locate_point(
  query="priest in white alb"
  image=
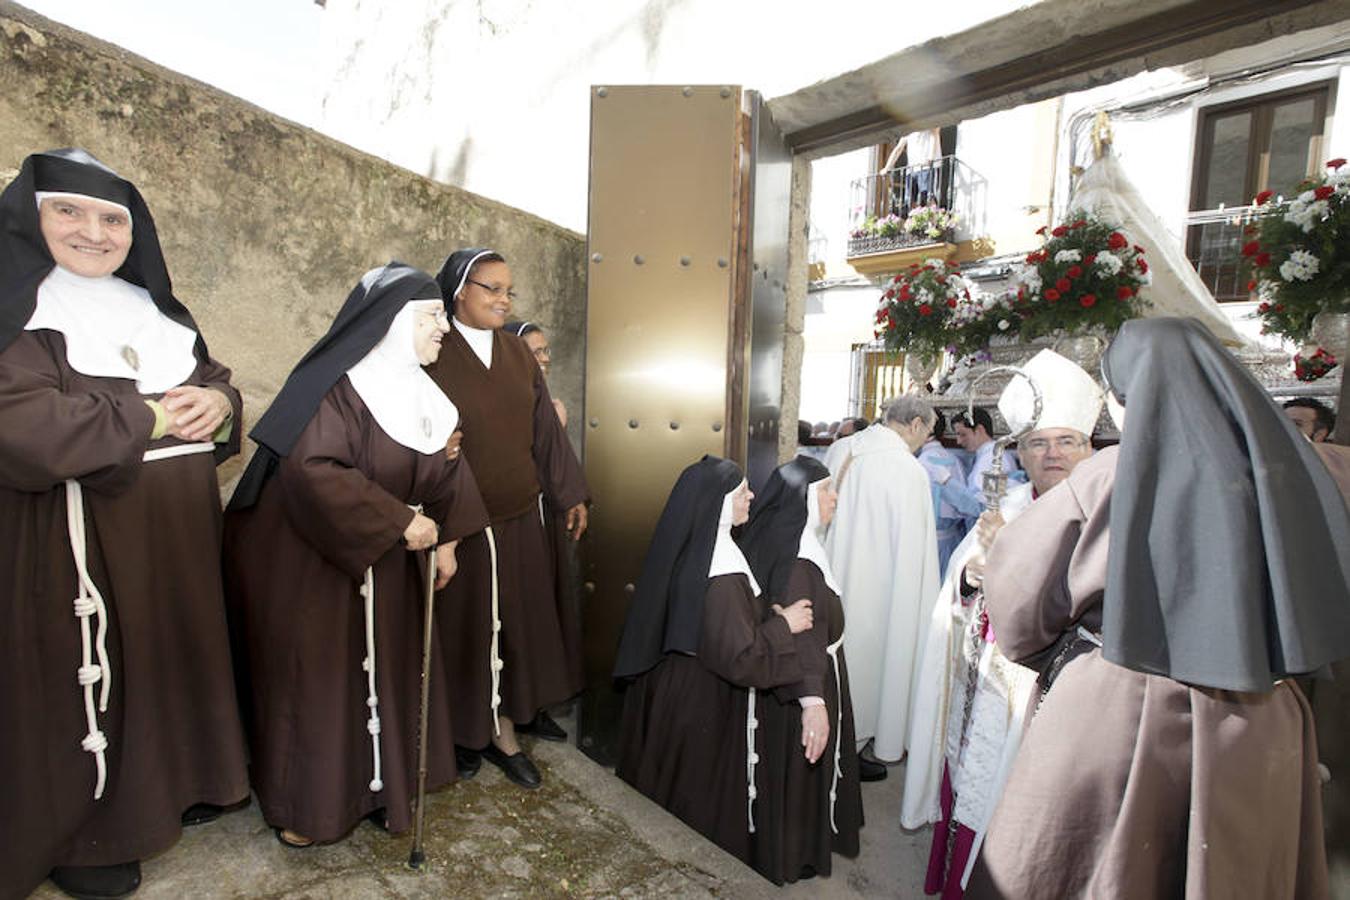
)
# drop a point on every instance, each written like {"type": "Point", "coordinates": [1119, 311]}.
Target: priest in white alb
{"type": "Point", "coordinates": [883, 551]}
{"type": "Point", "coordinates": [969, 701]}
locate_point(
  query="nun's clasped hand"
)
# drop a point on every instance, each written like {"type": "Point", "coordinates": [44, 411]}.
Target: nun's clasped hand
{"type": "Point", "coordinates": [798, 615]}
{"type": "Point", "coordinates": [420, 533]}
{"type": "Point", "coordinates": [195, 413]}
{"type": "Point", "coordinates": [576, 521]}
{"type": "Point", "coordinates": [452, 445]}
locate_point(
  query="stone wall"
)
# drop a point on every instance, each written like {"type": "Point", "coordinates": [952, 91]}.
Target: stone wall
{"type": "Point", "coordinates": [267, 225]}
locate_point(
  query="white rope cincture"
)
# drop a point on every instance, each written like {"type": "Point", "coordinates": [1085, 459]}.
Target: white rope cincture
{"type": "Point", "coordinates": [89, 602]}
{"type": "Point", "coordinates": [177, 450]}
{"type": "Point", "coordinates": [372, 700]}
{"type": "Point", "coordinates": [494, 654]}
{"type": "Point", "coordinates": [833, 651]}
{"type": "Point", "coordinates": [751, 758]}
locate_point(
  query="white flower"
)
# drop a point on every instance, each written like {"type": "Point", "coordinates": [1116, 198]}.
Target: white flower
{"type": "Point", "coordinates": [923, 295]}
{"type": "Point", "coordinates": [1108, 262]}
{"type": "Point", "coordinates": [1301, 266]}
{"type": "Point", "coordinates": [1029, 276]}
{"type": "Point", "coordinates": [1064, 256]}
{"type": "Point", "coordinates": [939, 264]}
{"type": "Point", "coordinates": [1003, 324]}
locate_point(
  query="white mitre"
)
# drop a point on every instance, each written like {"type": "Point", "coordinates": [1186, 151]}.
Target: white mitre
{"type": "Point", "coordinates": [1070, 397]}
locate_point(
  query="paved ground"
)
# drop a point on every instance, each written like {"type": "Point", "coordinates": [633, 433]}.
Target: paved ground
{"type": "Point", "coordinates": [585, 833]}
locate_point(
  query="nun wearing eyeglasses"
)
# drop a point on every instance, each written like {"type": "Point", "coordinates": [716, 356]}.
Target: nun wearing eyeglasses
{"type": "Point", "coordinates": [810, 799]}
{"type": "Point", "coordinates": [506, 648]}
{"type": "Point", "coordinates": [698, 645]}
{"type": "Point", "coordinates": [118, 719]}
{"type": "Point", "coordinates": [325, 546]}
{"type": "Point", "coordinates": [1166, 596]}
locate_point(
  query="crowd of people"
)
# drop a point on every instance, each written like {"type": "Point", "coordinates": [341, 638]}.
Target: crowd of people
{"type": "Point", "coordinates": [1078, 668]}
{"type": "Point", "coordinates": [152, 680]}
{"type": "Point", "coordinates": [1077, 671]}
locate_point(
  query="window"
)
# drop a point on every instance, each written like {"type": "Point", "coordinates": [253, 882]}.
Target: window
{"type": "Point", "coordinates": [1270, 142]}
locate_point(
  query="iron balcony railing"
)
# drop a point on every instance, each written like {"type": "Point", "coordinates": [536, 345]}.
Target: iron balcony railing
{"type": "Point", "coordinates": [881, 205]}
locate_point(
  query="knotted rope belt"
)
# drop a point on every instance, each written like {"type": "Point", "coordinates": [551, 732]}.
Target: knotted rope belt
{"type": "Point", "coordinates": [89, 603]}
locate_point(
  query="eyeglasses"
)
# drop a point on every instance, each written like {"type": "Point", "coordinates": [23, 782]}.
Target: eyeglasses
{"type": "Point", "coordinates": [1063, 444]}
{"type": "Point", "coordinates": [542, 352]}
{"type": "Point", "coordinates": [495, 290]}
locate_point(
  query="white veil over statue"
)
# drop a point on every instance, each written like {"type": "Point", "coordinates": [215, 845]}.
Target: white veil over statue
{"type": "Point", "coordinates": [1176, 289]}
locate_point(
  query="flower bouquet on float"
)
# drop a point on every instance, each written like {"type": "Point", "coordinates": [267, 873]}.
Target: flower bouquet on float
{"type": "Point", "coordinates": [1080, 286]}
{"type": "Point", "coordinates": [915, 313]}
{"type": "Point", "coordinates": [1299, 258]}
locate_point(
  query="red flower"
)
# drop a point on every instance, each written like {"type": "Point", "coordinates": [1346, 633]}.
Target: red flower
{"type": "Point", "coordinates": [1143, 266]}
{"type": "Point", "coordinates": [1264, 197]}
{"type": "Point", "coordinates": [1088, 300]}
{"type": "Point", "coordinates": [1079, 224]}
{"type": "Point", "coordinates": [1251, 285]}
{"type": "Point", "coordinates": [1089, 259]}
{"type": "Point", "coordinates": [1052, 295]}
{"type": "Point", "coordinates": [1324, 192]}
{"type": "Point", "coordinates": [1335, 163]}
{"type": "Point", "coordinates": [925, 309]}
{"type": "Point", "coordinates": [1251, 248]}
{"type": "Point", "coordinates": [1279, 307]}
{"type": "Point", "coordinates": [1124, 292]}
{"type": "Point", "coordinates": [1138, 249]}
{"type": "Point", "coordinates": [889, 295]}
{"type": "Point", "coordinates": [1117, 241]}
{"type": "Point", "coordinates": [1063, 284]}
{"type": "Point", "coordinates": [952, 303]}
{"type": "Point", "coordinates": [1021, 295]}
{"type": "Point", "coordinates": [1262, 260]}
{"type": "Point", "coordinates": [1074, 271]}
{"type": "Point", "coordinates": [1264, 307]}
{"type": "Point", "coordinates": [1042, 230]}
{"type": "Point", "coordinates": [1059, 231]}
{"type": "Point", "coordinates": [1250, 231]}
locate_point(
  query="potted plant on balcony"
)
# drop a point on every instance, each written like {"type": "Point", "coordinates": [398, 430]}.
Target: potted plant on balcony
{"type": "Point", "coordinates": [1080, 286]}
{"type": "Point", "coordinates": [915, 312]}
{"type": "Point", "coordinates": [1300, 263]}
{"type": "Point", "coordinates": [932, 222]}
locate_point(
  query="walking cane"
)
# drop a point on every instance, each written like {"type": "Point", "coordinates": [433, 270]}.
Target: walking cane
{"type": "Point", "coordinates": [418, 856]}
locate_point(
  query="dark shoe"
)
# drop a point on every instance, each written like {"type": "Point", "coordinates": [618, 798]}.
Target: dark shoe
{"type": "Point", "coordinates": [871, 771]}
{"type": "Point", "coordinates": [290, 839]}
{"type": "Point", "coordinates": [516, 767]}
{"type": "Point", "coordinates": [467, 761]}
{"type": "Point", "coordinates": [201, 813]}
{"type": "Point", "coordinates": [544, 727]}
{"type": "Point", "coordinates": [98, 882]}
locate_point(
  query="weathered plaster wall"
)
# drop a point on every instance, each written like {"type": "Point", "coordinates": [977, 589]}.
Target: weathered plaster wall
{"type": "Point", "coordinates": [267, 225]}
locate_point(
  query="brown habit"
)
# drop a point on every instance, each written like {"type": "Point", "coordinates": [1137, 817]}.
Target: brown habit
{"type": "Point", "coordinates": [682, 739]}
{"type": "Point", "coordinates": [294, 562]}
{"type": "Point", "coordinates": [1128, 784]}
{"type": "Point", "coordinates": [518, 448]}
{"type": "Point", "coordinates": [793, 836]}
{"type": "Point", "coordinates": [153, 536]}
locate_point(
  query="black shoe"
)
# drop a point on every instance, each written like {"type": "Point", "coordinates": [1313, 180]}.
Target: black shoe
{"type": "Point", "coordinates": [98, 882]}
{"type": "Point", "coordinates": [516, 767]}
{"type": "Point", "coordinates": [378, 818]}
{"type": "Point", "coordinates": [201, 813]}
{"type": "Point", "coordinates": [467, 761]}
{"type": "Point", "coordinates": [871, 771]}
{"type": "Point", "coordinates": [544, 727]}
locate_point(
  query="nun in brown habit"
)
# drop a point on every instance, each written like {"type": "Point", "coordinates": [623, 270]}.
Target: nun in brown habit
{"type": "Point", "coordinates": [118, 720]}
{"type": "Point", "coordinates": [810, 799]}
{"type": "Point", "coordinates": [324, 569]}
{"type": "Point", "coordinates": [1167, 590]}
{"type": "Point", "coordinates": [698, 647]}
{"type": "Point", "coordinates": [505, 649]}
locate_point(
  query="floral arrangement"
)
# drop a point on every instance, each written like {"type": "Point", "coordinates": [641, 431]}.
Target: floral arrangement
{"type": "Point", "coordinates": [925, 221]}
{"type": "Point", "coordinates": [931, 221]}
{"type": "Point", "coordinates": [917, 308]}
{"type": "Point", "coordinates": [1313, 367]}
{"type": "Point", "coordinates": [1299, 253]}
{"type": "Point", "coordinates": [890, 225]}
{"type": "Point", "coordinates": [1086, 275]}
{"type": "Point", "coordinates": [976, 321]}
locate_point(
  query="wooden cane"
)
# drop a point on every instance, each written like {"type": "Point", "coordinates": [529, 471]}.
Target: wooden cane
{"type": "Point", "coordinates": [417, 858]}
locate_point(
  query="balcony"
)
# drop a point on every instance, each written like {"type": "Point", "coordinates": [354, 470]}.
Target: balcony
{"type": "Point", "coordinates": [906, 215]}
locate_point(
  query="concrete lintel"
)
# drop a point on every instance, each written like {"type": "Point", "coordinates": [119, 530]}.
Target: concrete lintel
{"type": "Point", "coordinates": [1040, 51]}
